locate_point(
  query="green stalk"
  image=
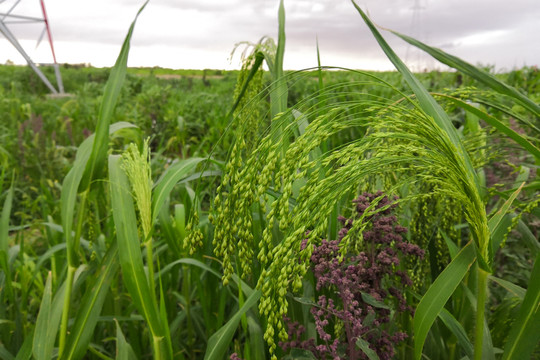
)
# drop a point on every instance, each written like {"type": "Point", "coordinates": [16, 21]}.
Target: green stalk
{"type": "Point", "coordinates": [72, 266]}
{"type": "Point", "coordinates": [480, 312]}
{"type": "Point", "coordinates": [186, 289]}
{"type": "Point", "coordinates": [150, 264]}
{"type": "Point", "coordinates": [65, 311]}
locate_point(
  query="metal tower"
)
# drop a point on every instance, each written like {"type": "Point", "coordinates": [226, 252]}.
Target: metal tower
{"type": "Point", "coordinates": [415, 58]}
{"type": "Point", "coordinates": [7, 18]}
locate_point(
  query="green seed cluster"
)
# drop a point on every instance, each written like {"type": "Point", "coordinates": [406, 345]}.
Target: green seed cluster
{"type": "Point", "coordinates": [194, 236]}
{"type": "Point", "coordinates": [401, 146]}
{"type": "Point", "coordinates": [137, 168]}
{"type": "Point", "coordinates": [433, 216]}
{"type": "Point", "coordinates": [231, 211]}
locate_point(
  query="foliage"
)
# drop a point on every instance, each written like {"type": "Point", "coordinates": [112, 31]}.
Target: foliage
{"type": "Point", "coordinates": [109, 228]}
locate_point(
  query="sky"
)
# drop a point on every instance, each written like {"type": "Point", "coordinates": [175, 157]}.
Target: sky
{"type": "Point", "coordinates": [199, 34]}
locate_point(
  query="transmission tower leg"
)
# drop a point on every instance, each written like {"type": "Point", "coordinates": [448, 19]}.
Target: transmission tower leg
{"type": "Point", "coordinates": [59, 78]}
{"type": "Point", "coordinates": [11, 38]}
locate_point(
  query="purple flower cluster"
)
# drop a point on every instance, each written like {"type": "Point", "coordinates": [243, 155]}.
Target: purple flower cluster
{"type": "Point", "coordinates": [359, 291]}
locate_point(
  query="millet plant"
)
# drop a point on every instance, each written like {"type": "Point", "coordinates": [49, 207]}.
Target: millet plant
{"type": "Point", "coordinates": [136, 243]}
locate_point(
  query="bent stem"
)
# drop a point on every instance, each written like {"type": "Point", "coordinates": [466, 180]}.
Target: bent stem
{"type": "Point", "coordinates": [480, 312]}
{"type": "Point", "coordinates": [72, 266]}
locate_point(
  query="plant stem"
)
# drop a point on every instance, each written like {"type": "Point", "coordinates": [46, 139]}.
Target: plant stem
{"type": "Point", "coordinates": [72, 267]}
{"type": "Point", "coordinates": [150, 264]}
{"type": "Point", "coordinates": [480, 310]}
{"type": "Point", "coordinates": [65, 311]}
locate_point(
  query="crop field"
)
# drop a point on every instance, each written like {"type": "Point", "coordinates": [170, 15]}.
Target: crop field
{"type": "Point", "coordinates": [268, 214]}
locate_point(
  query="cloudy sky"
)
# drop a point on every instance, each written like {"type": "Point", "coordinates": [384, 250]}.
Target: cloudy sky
{"type": "Point", "coordinates": [198, 34]}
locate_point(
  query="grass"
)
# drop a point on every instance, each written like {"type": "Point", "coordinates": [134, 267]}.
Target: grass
{"type": "Point", "coordinates": [164, 217]}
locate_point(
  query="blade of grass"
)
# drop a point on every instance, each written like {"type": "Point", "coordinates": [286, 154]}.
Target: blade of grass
{"type": "Point", "coordinates": [68, 198]}
{"type": "Point", "coordinates": [496, 220]}
{"type": "Point", "coordinates": [5, 354]}
{"type": "Point", "coordinates": [528, 237]}
{"type": "Point", "coordinates": [426, 101]}
{"type": "Point", "coordinates": [221, 340]}
{"type": "Point", "coordinates": [131, 260]}
{"type": "Point", "coordinates": [169, 179]}
{"type": "Point", "coordinates": [124, 351]}
{"type": "Point", "coordinates": [468, 176]}
{"type": "Point", "coordinates": [110, 98]}
{"type": "Point", "coordinates": [533, 150]}
{"type": "Point", "coordinates": [438, 294]}
{"type": "Point", "coordinates": [452, 247]}
{"type": "Point", "coordinates": [473, 72]}
{"type": "Point", "coordinates": [4, 221]}
{"type": "Point", "coordinates": [89, 165]}
{"type": "Point", "coordinates": [25, 352]}
{"type": "Point", "coordinates": [44, 335]}
{"type": "Point", "coordinates": [525, 332]}
{"type": "Point", "coordinates": [259, 58]}
{"type": "Point", "coordinates": [459, 332]}
{"type": "Point", "coordinates": [255, 337]}
{"type": "Point", "coordinates": [279, 90]}
{"type": "Point", "coordinates": [90, 309]}
{"type": "Point", "coordinates": [512, 288]}
{"type": "Point", "coordinates": [505, 110]}
{"type": "Point", "coordinates": [4, 242]}
{"type": "Point", "coordinates": [71, 185]}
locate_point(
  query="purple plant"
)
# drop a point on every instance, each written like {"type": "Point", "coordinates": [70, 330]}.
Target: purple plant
{"type": "Point", "coordinates": [358, 292]}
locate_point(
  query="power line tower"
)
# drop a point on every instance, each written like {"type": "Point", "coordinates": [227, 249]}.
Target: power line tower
{"type": "Point", "coordinates": [9, 17]}
{"type": "Point", "coordinates": [413, 56]}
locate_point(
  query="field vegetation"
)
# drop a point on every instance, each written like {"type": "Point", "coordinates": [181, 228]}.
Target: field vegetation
{"type": "Point", "coordinates": [327, 213]}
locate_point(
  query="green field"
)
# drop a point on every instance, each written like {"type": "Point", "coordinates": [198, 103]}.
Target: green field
{"type": "Point", "coordinates": [262, 214]}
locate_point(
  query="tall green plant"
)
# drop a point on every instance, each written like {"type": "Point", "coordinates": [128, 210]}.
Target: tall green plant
{"type": "Point", "coordinates": [89, 163]}
{"type": "Point", "coordinates": [481, 231]}
{"type": "Point", "coordinates": [412, 140]}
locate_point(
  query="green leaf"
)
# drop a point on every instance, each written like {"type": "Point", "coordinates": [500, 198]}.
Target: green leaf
{"type": "Point", "coordinates": [300, 354]}
{"type": "Point", "coordinates": [452, 247]}
{"type": "Point", "coordinates": [525, 333]}
{"type": "Point", "coordinates": [364, 346]}
{"type": "Point", "coordinates": [259, 57]}
{"type": "Point", "coordinates": [512, 288]}
{"type": "Point", "coordinates": [528, 237]}
{"type": "Point", "coordinates": [187, 261]}
{"type": "Point", "coordinates": [533, 150]}
{"type": "Point", "coordinates": [426, 101]}
{"type": "Point", "coordinates": [459, 332]}
{"type": "Point", "coordinates": [123, 349]}
{"type": "Point", "coordinates": [255, 336]}
{"type": "Point", "coordinates": [90, 309]}
{"type": "Point", "coordinates": [111, 94]}
{"type": "Point", "coordinates": [4, 221]}
{"type": "Point", "coordinates": [25, 352]}
{"type": "Point", "coordinates": [474, 72]}
{"type": "Point", "coordinates": [438, 294]}
{"type": "Point", "coordinates": [45, 334]}
{"type": "Point", "coordinates": [279, 90]}
{"type": "Point", "coordinates": [169, 179]}
{"type": "Point", "coordinates": [5, 354]}
{"type": "Point", "coordinates": [130, 255]}
{"type": "Point", "coordinates": [219, 343]}
{"type": "Point", "coordinates": [495, 221]}
{"type": "Point", "coordinates": [368, 299]}
{"type": "Point", "coordinates": [4, 242]}
{"type": "Point", "coordinates": [463, 167]}
{"type": "Point", "coordinates": [70, 188]}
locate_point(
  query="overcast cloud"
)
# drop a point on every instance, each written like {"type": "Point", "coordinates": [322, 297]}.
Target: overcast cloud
{"type": "Point", "coordinates": [202, 33]}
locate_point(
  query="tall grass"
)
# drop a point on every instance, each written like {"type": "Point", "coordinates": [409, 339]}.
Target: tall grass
{"type": "Point", "coordinates": [157, 248]}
